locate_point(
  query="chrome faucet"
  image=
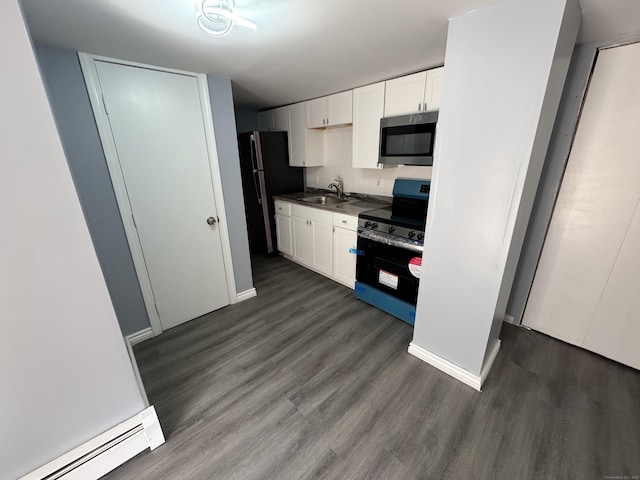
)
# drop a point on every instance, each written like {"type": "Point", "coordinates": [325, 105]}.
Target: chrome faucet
{"type": "Point", "coordinates": [339, 186]}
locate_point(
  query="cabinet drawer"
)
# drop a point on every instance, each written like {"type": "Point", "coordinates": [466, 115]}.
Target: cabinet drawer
{"type": "Point", "coordinates": [282, 208]}
{"type": "Point", "coordinates": [311, 213]}
{"type": "Point", "coordinates": [345, 221]}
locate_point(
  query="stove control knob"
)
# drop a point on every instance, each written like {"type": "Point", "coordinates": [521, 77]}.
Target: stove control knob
{"type": "Point", "coordinates": [412, 234]}
{"type": "Point", "coordinates": [392, 229]}
{"type": "Point", "coordinates": [367, 224]}
{"type": "Point", "coordinates": [420, 237]}
{"type": "Point", "coordinates": [374, 225]}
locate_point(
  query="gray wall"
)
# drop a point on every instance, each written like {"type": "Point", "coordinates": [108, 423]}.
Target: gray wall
{"type": "Point", "coordinates": [552, 174]}
{"type": "Point", "coordinates": [493, 135]}
{"type": "Point", "coordinates": [246, 120]}
{"type": "Point", "coordinates": [227, 145]}
{"type": "Point", "coordinates": [72, 111]}
{"type": "Point", "coordinates": [64, 370]}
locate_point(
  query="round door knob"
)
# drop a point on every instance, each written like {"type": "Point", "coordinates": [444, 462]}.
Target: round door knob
{"type": "Point", "coordinates": [211, 221]}
{"type": "Point", "coordinates": [392, 229]}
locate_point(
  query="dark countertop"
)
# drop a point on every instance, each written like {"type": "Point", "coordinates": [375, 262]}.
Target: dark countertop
{"type": "Point", "coordinates": [356, 204]}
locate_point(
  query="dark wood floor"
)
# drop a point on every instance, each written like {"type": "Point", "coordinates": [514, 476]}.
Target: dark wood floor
{"type": "Point", "coordinates": [304, 381]}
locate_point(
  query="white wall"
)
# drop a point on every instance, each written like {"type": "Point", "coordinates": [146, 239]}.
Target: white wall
{"type": "Point", "coordinates": [64, 370]}
{"type": "Point", "coordinates": [506, 65]}
{"type": "Point", "coordinates": [337, 153]}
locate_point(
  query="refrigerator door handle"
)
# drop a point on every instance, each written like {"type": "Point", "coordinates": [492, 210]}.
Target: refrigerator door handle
{"type": "Point", "coordinates": [255, 170]}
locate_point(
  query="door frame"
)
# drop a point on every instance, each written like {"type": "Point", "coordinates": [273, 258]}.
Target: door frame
{"type": "Point", "coordinates": [90, 73]}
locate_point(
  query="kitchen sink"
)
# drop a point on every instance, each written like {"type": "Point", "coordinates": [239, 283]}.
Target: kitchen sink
{"type": "Point", "coordinates": [325, 200]}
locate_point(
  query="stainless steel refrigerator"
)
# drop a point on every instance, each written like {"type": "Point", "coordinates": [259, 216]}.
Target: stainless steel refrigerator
{"type": "Point", "coordinates": [264, 165]}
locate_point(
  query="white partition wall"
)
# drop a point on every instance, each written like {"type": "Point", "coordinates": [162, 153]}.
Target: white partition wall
{"type": "Point", "coordinates": [506, 64]}
{"type": "Point", "coordinates": [64, 370]}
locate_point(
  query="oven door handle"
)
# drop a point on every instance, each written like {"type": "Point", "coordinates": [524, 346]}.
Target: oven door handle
{"type": "Point", "coordinates": [391, 240]}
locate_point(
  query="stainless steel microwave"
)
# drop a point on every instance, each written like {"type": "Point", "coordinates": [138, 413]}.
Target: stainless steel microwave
{"type": "Point", "coordinates": [408, 139]}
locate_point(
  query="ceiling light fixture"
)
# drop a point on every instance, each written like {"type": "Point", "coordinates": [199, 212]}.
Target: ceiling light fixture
{"type": "Point", "coordinates": [217, 18]}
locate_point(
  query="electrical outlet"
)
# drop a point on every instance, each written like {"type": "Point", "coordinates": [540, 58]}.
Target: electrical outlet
{"type": "Point", "coordinates": [378, 182]}
{"type": "Point", "coordinates": [317, 179]}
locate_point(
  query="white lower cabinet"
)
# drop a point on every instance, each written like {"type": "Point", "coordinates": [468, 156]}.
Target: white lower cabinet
{"type": "Point", "coordinates": [322, 247]}
{"type": "Point", "coordinates": [312, 238]}
{"type": "Point", "coordinates": [345, 241]}
{"type": "Point", "coordinates": [320, 240]}
{"type": "Point", "coordinates": [284, 234]}
{"type": "Point", "coordinates": [302, 240]}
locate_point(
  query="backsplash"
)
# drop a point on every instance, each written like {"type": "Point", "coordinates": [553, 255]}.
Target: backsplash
{"type": "Point", "coordinates": [337, 153]}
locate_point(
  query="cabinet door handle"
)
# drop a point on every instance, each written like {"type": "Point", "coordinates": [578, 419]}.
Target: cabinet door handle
{"type": "Point", "coordinates": [419, 106]}
{"type": "Point", "coordinates": [344, 221]}
{"type": "Point", "coordinates": [425, 107]}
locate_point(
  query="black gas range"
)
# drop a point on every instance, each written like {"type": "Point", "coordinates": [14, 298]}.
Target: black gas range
{"type": "Point", "coordinates": [390, 247]}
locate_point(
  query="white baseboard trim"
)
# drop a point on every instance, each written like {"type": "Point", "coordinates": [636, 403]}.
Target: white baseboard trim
{"type": "Point", "coordinates": [129, 342]}
{"type": "Point", "coordinates": [457, 372]}
{"type": "Point", "coordinates": [246, 295]}
{"type": "Point", "coordinates": [140, 336]}
{"type": "Point", "coordinates": [100, 455]}
{"type": "Point", "coordinates": [489, 359]}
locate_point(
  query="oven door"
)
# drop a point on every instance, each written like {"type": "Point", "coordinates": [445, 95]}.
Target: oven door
{"type": "Point", "coordinates": [389, 265]}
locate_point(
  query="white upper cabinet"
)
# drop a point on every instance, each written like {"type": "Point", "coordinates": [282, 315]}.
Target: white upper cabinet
{"type": "Point", "coordinates": [292, 119]}
{"type": "Point", "coordinates": [405, 94]}
{"type": "Point", "coordinates": [419, 92]}
{"type": "Point", "coordinates": [298, 136]}
{"type": "Point", "coordinates": [332, 110]}
{"type": "Point", "coordinates": [265, 121]}
{"type": "Point", "coordinates": [433, 89]}
{"type": "Point", "coordinates": [303, 148]}
{"type": "Point", "coordinates": [282, 123]}
{"type": "Point", "coordinates": [281, 119]}
{"type": "Point", "coordinates": [274, 120]}
{"type": "Point", "coordinates": [340, 108]}
{"type": "Point", "coordinates": [368, 108]}
{"type": "Point", "coordinates": [316, 112]}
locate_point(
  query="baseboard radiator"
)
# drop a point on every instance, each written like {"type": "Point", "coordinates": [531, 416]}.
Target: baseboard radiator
{"type": "Point", "coordinates": [105, 452]}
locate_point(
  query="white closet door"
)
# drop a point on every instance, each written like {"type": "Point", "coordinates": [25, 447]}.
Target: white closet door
{"type": "Point", "coordinates": [591, 251]}
{"type": "Point", "coordinates": [157, 126]}
{"type": "Point", "coordinates": [615, 329]}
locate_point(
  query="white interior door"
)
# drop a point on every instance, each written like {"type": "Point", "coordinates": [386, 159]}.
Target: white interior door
{"type": "Point", "coordinates": [156, 121]}
{"type": "Point", "coordinates": [585, 290]}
